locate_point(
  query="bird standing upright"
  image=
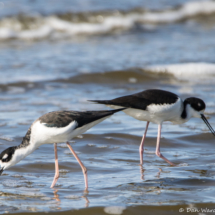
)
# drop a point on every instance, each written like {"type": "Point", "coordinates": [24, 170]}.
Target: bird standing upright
{"type": "Point", "coordinates": [157, 106]}
{"type": "Point", "coordinates": [54, 127]}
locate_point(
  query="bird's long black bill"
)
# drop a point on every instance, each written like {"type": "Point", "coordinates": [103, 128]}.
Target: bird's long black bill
{"type": "Point", "coordinates": [1, 170]}
{"type": "Point", "coordinates": [208, 124]}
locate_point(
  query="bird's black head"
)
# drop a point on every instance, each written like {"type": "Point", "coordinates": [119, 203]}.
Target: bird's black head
{"type": "Point", "coordinates": [197, 107]}
{"type": "Point", "coordinates": [196, 103]}
{"type": "Point", "coordinates": [6, 158]}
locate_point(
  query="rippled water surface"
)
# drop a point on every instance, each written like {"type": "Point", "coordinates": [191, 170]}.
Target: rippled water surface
{"type": "Point", "coordinates": [57, 55]}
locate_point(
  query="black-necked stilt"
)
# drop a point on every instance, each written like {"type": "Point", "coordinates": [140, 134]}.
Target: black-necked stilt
{"type": "Point", "coordinates": [158, 106]}
{"type": "Point", "coordinates": [54, 127]}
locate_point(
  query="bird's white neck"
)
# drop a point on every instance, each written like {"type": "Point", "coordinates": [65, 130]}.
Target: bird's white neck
{"type": "Point", "coordinates": [20, 153]}
{"type": "Point", "coordinates": [186, 112]}
{"type": "Point", "coordinates": [189, 112]}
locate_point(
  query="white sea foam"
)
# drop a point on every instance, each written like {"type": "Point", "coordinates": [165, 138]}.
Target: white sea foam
{"type": "Point", "coordinates": [186, 70]}
{"type": "Point", "coordinates": [63, 171]}
{"type": "Point", "coordinates": [189, 9]}
{"type": "Point", "coordinates": [12, 183]}
{"type": "Point", "coordinates": [53, 25]}
{"type": "Point", "coordinates": [10, 139]}
{"type": "Point", "coordinates": [114, 210]}
{"type": "Point", "coordinates": [72, 197]}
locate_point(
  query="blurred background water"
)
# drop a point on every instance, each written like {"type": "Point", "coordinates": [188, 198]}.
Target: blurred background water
{"type": "Point", "coordinates": [55, 55]}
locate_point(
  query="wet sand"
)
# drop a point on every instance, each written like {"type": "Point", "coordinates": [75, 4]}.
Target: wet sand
{"type": "Point", "coordinates": [160, 210]}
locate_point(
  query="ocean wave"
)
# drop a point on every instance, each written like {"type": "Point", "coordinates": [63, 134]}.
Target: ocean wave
{"type": "Point", "coordinates": [134, 76]}
{"type": "Point", "coordinates": [192, 72]}
{"type": "Point", "coordinates": [186, 71]}
{"type": "Point", "coordinates": [70, 24]}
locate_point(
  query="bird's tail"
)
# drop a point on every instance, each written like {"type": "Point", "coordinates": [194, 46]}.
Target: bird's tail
{"type": "Point", "coordinates": [117, 110]}
{"type": "Point", "coordinates": [105, 102]}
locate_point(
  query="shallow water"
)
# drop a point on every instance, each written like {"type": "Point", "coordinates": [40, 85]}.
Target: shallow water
{"type": "Point", "coordinates": [62, 70]}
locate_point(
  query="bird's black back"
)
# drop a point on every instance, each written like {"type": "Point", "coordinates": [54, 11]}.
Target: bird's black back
{"type": "Point", "coordinates": [63, 118]}
{"type": "Point", "coordinates": [142, 99]}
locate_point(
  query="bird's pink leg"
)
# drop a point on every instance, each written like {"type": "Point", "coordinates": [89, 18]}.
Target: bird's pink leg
{"type": "Point", "coordinates": [84, 169]}
{"type": "Point", "coordinates": [158, 147]}
{"type": "Point", "coordinates": [56, 167]}
{"type": "Point", "coordinates": [141, 149]}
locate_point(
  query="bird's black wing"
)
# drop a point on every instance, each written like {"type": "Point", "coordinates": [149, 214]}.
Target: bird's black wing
{"type": "Point", "coordinates": [61, 119]}
{"type": "Point", "coordinates": [142, 100]}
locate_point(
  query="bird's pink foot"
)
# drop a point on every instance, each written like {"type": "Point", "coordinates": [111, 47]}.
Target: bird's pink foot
{"type": "Point", "coordinates": [161, 156]}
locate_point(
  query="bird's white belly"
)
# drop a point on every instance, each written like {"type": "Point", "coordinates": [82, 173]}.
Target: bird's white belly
{"type": "Point", "coordinates": [41, 134]}
{"type": "Point", "coordinates": [84, 128]}
{"type": "Point", "coordinates": [136, 113]}
{"type": "Point", "coordinates": [156, 113]}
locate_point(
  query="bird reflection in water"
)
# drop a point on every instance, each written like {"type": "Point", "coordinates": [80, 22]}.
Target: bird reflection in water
{"type": "Point", "coordinates": [142, 170]}
{"type": "Point", "coordinates": [56, 197]}
{"type": "Point", "coordinates": [159, 173]}
{"type": "Point", "coordinates": [87, 201]}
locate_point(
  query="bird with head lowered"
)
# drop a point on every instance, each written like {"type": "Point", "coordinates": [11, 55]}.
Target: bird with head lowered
{"type": "Point", "coordinates": [54, 127]}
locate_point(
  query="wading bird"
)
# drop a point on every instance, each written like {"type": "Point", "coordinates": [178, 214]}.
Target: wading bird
{"type": "Point", "coordinates": [54, 127]}
{"type": "Point", "coordinates": [157, 106]}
